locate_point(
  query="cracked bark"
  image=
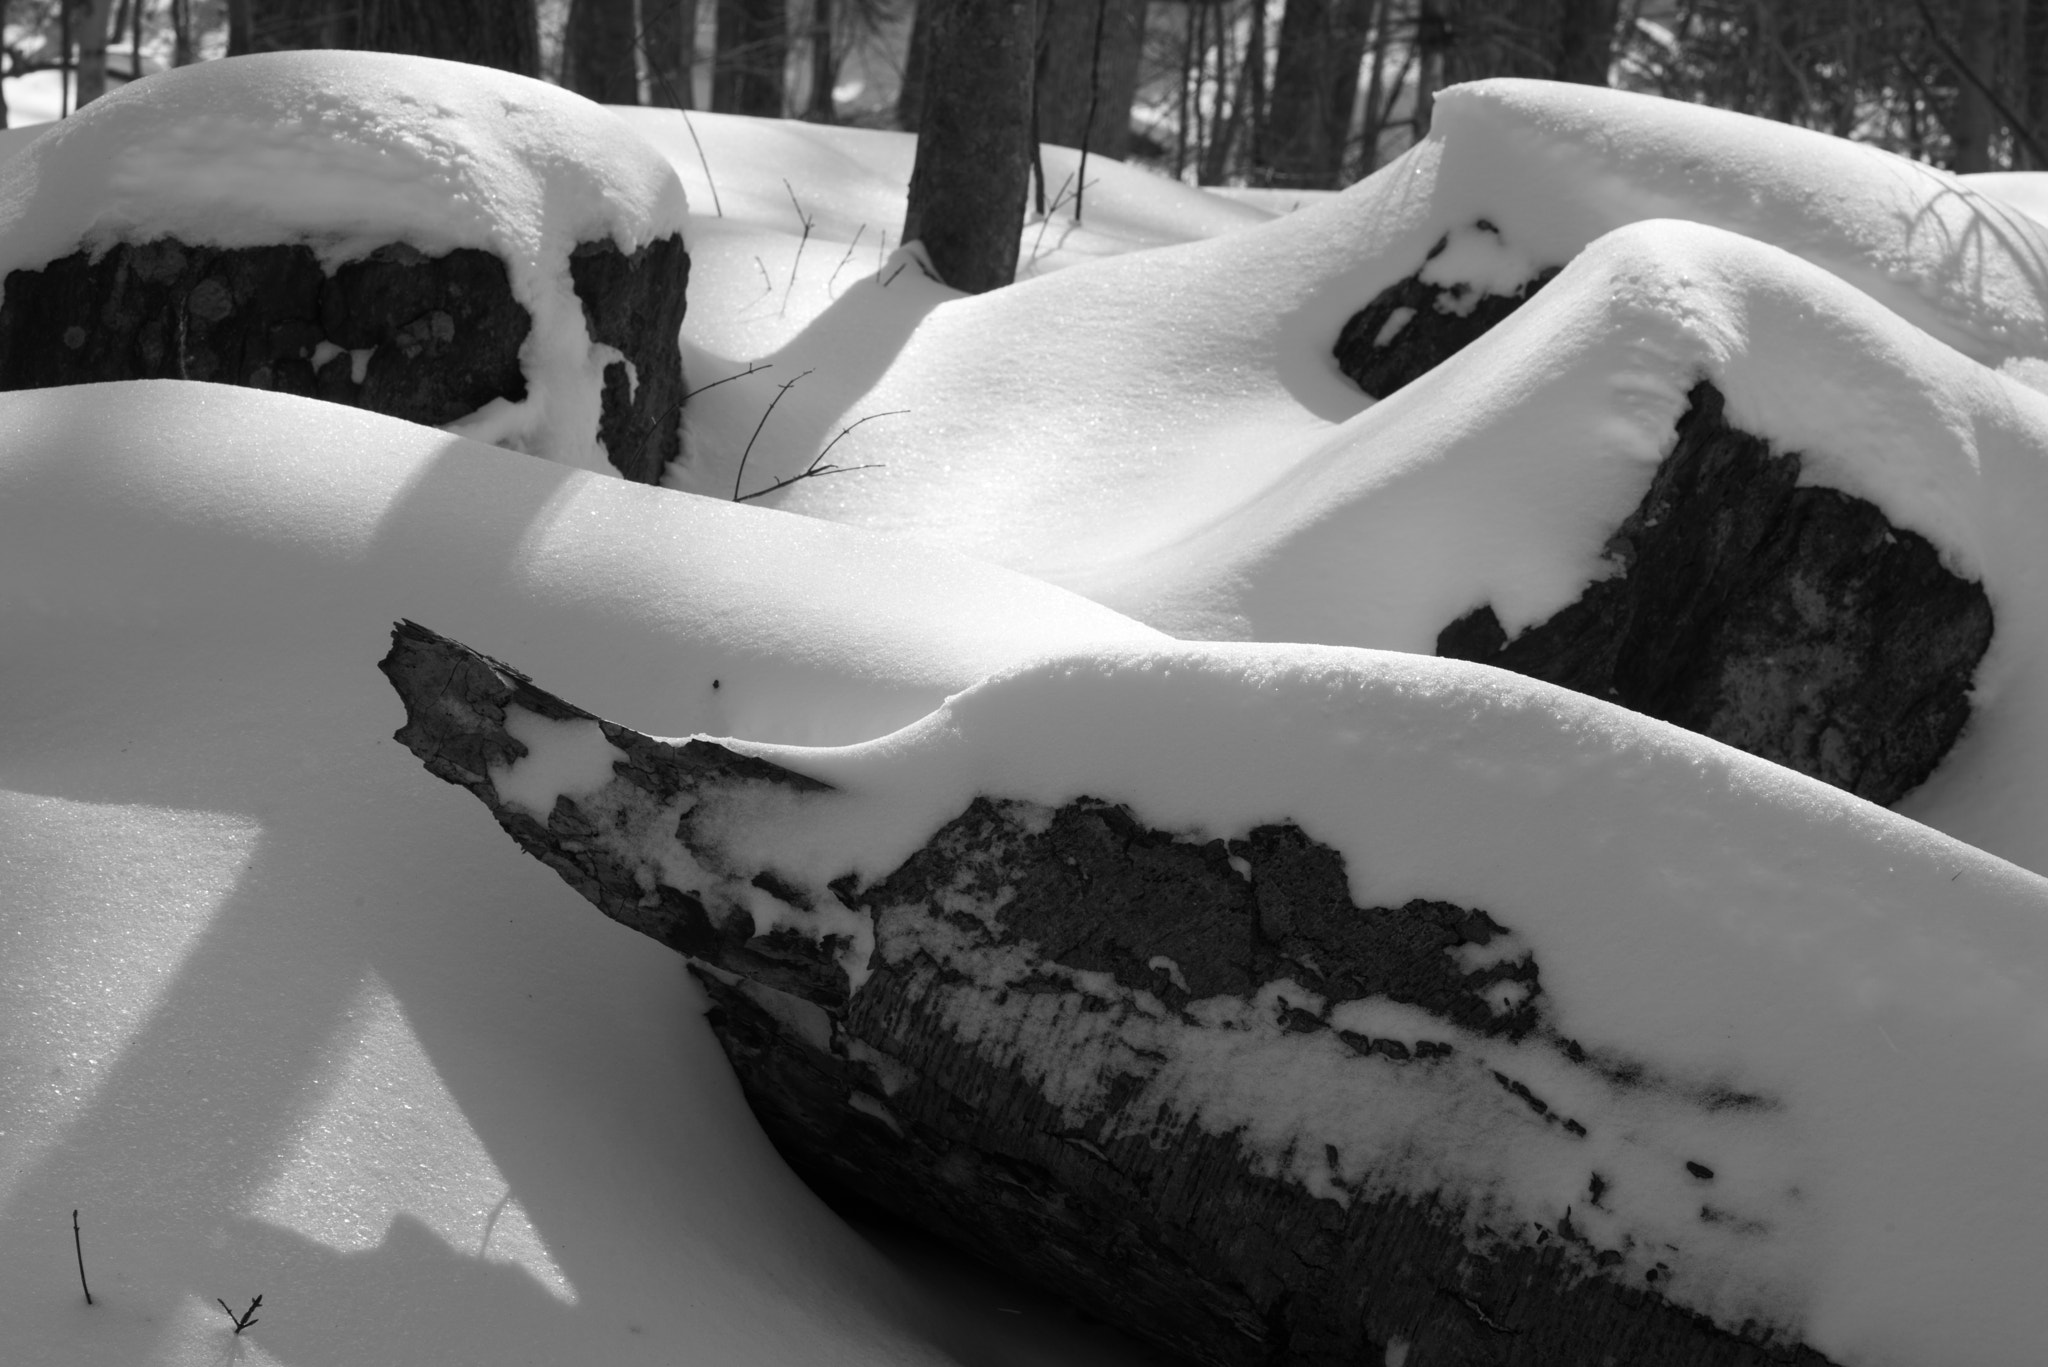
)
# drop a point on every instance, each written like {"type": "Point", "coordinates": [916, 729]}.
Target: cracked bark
{"type": "Point", "coordinates": [430, 339]}
{"type": "Point", "coordinates": [1176, 1231]}
{"type": "Point", "coordinates": [1792, 621]}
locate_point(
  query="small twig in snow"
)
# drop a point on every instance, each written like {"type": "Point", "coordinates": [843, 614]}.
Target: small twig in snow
{"type": "Point", "coordinates": [767, 285]}
{"type": "Point", "coordinates": [844, 259]}
{"type": "Point", "coordinates": [705, 162]}
{"type": "Point", "coordinates": [79, 1248]}
{"type": "Point", "coordinates": [780, 390]}
{"type": "Point", "coordinates": [753, 368]}
{"type": "Point", "coordinates": [246, 1318]}
{"type": "Point", "coordinates": [817, 469]}
{"type": "Point", "coordinates": [808, 223]}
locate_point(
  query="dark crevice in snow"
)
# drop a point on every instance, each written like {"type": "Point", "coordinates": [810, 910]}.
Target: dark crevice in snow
{"type": "Point", "coordinates": [1416, 324]}
{"type": "Point", "coordinates": [1792, 621]}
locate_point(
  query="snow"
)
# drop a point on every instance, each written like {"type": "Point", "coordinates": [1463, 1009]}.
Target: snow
{"type": "Point", "coordinates": [281, 1014]}
{"type": "Point", "coordinates": [349, 151]}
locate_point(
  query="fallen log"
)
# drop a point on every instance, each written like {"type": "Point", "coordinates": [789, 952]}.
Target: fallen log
{"type": "Point", "coordinates": [1016, 1039]}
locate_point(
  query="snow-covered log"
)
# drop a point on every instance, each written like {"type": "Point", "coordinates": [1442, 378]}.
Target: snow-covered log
{"type": "Point", "coordinates": [1790, 620]}
{"type": "Point", "coordinates": [440, 242]}
{"type": "Point", "coordinates": [1003, 1040]}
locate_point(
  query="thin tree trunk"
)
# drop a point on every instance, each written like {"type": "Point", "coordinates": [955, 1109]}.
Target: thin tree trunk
{"type": "Point", "coordinates": [181, 33]}
{"type": "Point", "coordinates": [1315, 82]}
{"type": "Point", "coordinates": [1375, 84]}
{"type": "Point", "coordinates": [753, 48]}
{"type": "Point", "coordinates": [1432, 41]}
{"type": "Point", "coordinates": [910, 96]}
{"type": "Point", "coordinates": [498, 33]}
{"type": "Point", "coordinates": [1585, 40]}
{"type": "Point", "coordinates": [1976, 39]}
{"type": "Point", "coordinates": [668, 30]}
{"type": "Point", "coordinates": [92, 51]}
{"type": "Point", "coordinates": [1066, 93]}
{"type": "Point", "coordinates": [600, 56]}
{"type": "Point", "coordinates": [1187, 76]}
{"type": "Point", "coordinates": [973, 168]}
{"type": "Point", "coordinates": [824, 65]}
{"type": "Point", "coordinates": [2034, 65]}
{"type": "Point", "coordinates": [1253, 85]}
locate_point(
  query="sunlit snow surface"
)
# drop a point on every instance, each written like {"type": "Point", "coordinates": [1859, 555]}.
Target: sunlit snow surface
{"type": "Point", "coordinates": [284, 1015]}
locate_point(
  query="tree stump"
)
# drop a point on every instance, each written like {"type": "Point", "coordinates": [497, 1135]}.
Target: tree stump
{"type": "Point", "coordinates": [430, 339]}
{"type": "Point", "coordinates": [985, 1042]}
{"type": "Point", "coordinates": [1417, 323]}
{"type": "Point", "coordinates": [1792, 621]}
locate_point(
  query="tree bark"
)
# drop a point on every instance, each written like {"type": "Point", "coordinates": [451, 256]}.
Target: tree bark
{"type": "Point", "coordinates": [1585, 41]}
{"type": "Point", "coordinates": [1065, 89]}
{"type": "Point", "coordinates": [92, 24]}
{"type": "Point", "coordinates": [995, 1041]}
{"type": "Point", "coordinates": [910, 95]}
{"type": "Point", "coordinates": [973, 167]}
{"type": "Point", "coordinates": [600, 40]}
{"type": "Point", "coordinates": [1976, 122]}
{"type": "Point", "coordinates": [669, 42]}
{"type": "Point", "coordinates": [497, 33]}
{"type": "Point", "coordinates": [1315, 83]}
{"type": "Point", "coordinates": [819, 108]}
{"type": "Point", "coordinates": [752, 50]}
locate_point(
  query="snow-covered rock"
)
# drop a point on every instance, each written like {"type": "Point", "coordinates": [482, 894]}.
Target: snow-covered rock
{"type": "Point", "coordinates": [443, 242]}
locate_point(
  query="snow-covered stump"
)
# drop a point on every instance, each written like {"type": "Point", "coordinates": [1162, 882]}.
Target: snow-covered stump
{"type": "Point", "coordinates": [1468, 282]}
{"type": "Point", "coordinates": [1008, 1040]}
{"type": "Point", "coordinates": [1792, 621]}
{"type": "Point", "coordinates": [438, 242]}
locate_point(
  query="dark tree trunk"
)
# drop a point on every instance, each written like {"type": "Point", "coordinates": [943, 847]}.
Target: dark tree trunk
{"type": "Point", "coordinates": [284, 25]}
{"type": "Point", "coordinates": [1585, 41]}
{"type": "Point", "coordinates": [499, 33]}
{"type": "Point", "coordinates": [599, 43]}
{"type": "Point", "coordinates": [1064, 87]}
{"type": "Point", "coordinates": [753, 48]}
{"type": "Point", "coordinates": [824, 65]}
{"type": "Point", "coordinates": [1069, 1150]}
{"type": "Point", "coordinates": [973, 168]}
{"type": "Point", "coordinates": [910, 96]}
{"type": "Point", "coordinates": [669, 37]}
{"type": "Point", "coordinates": [1315, 82]}
{"type": "Point", "coordinates": [1976, 41]}
{"type": "Point", "coordinates": [239, 20]}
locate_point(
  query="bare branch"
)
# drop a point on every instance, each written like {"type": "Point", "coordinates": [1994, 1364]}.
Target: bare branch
{"type": "Point", "coordinates": [817, 469]}
{"type": "Point", "coordinates": [780, 390]}
{"type": "Point", "coordinates": [844, 259]}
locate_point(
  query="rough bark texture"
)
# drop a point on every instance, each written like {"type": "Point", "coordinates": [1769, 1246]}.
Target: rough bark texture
{"type": "Point", "coordinates": [973, 167]}
{"type": "Point", "coordinates": [636, 304]}
{"type": "Point", "coordinates": [1081, 920]}
{"type": "Point", "coordinates": [427, 338]}
{"type": "Point", "coordinates": [1414, 325]}
{"type": "Point", "coordinates": [1791, 621]}
{"type": "Point", "coordinates": [1068, 39]}
{"type": "Point", "coordinates": [668, 39]}
{"type": "Point", "coordinates": [599, 42]}
{"type": "Point", "coordinates": [1315, 82]}
{"type": "Point", "coordinates": [752, 48]}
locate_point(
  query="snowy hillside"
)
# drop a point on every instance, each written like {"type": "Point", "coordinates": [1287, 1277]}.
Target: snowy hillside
{"type": "Point", "coordinates": [280, 1014]}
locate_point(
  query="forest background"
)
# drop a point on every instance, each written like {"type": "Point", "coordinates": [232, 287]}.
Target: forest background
{"type": "Point", "coordinates": [1288, 94]}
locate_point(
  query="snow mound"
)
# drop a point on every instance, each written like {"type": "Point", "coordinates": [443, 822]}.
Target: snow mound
{"type": "Point", "coordinates": [346, 151]}
{"type": "Point", "coordinates": [283, 1014]}
{"type": "Point", "coordinates": [165, 507]}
